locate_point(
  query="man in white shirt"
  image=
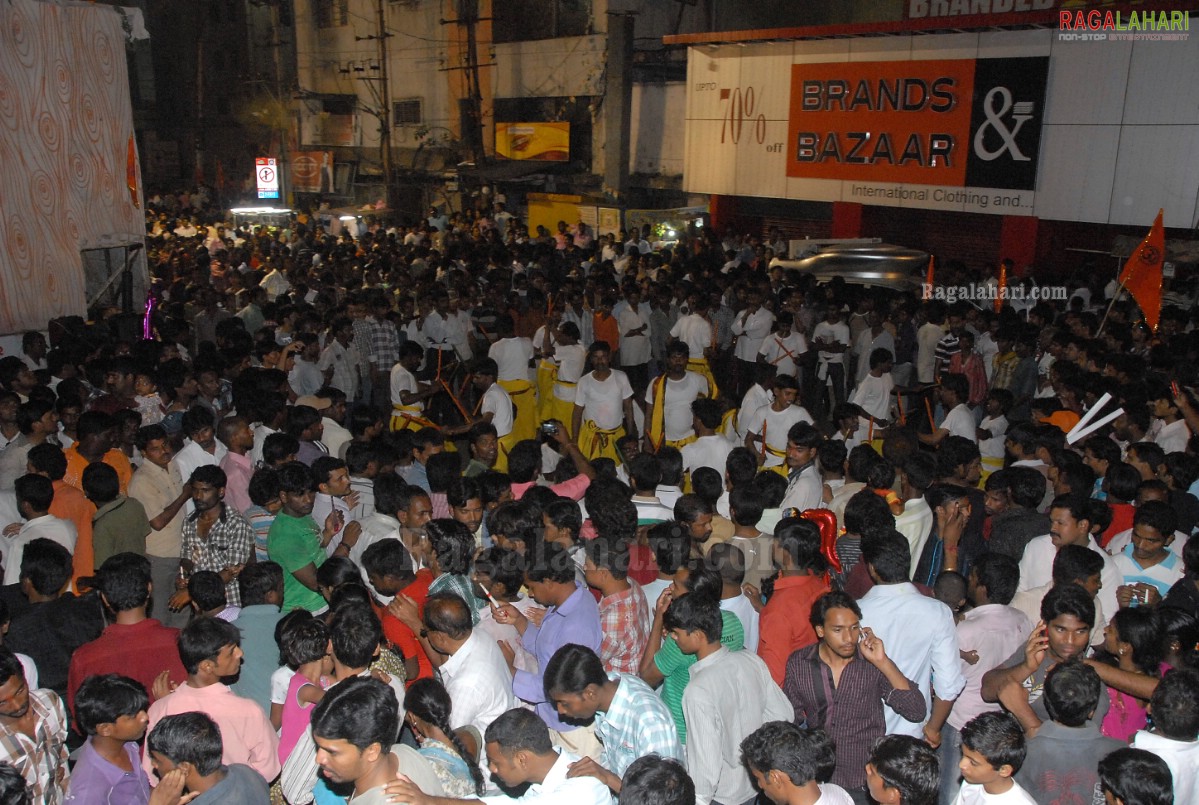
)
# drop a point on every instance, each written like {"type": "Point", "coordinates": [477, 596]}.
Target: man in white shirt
{"type": "Point", "coordinates": [603, 404]}
{"type": "Point", "coordinates": [873, 394]}
{"type": "Point", "coordinates": [955, 390]}
{"type": "Point", "coordinates": [407, 394]}
{"type": "Point", "coordinates": [696, 332]}
{"type": "Point", "coordinates": [1174, 433]}
{"type": "Point", "coordinates": [874, 337]}
{"type": "Point", "coordinates": [668, 417]}
{"type": "Point", "coordinates": [927, 654]}
{"type": "Point", "coordinates": [34, 495]}
{"type": "Point", "coordinates": [710, 449]}
{"type": "Point", "coordinates": [202, 447]}
{"type": "Point", "coordinates": [927, 338]}
{"type": "Point", "coordinates": [729, 695]}
{"type": "Point", "coordinates": [831, 338]}
{"type": "Point", "coordinates": [633, 321]}
{"type": "Point", "coordinates": [569, 358]}
{"type": "Point", "coordinates": [519, 753]}
{"type": "Point", "coordinates": [513, 358]}
{"type": "Point", "coordinates": [495, 408]}
{"type": "Point", "coordinates": [768, 428]}
{"type": "Point", "coordinates": [437, 329]}
{"type": "Point", "coordinates": [759, 394]}
{"type": "Point", "coordinates": [474, 671]}
{"type": "Point", "coordinates": [782, 349]}
{"type": "Point", "coordinates": [340, 361]}
{"type": "Point", "coordinates": [1069, 525]}
{"type": "Point", "coordinates": [306, 376]}
{"type": "Point", "coordinates": [750, 330]}
{"type": "Point", "coordinates": [805, 490]}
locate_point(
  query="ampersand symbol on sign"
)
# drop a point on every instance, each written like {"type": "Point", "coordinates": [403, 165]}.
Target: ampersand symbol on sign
{"type": "Point", "coordinates": [995, 122]}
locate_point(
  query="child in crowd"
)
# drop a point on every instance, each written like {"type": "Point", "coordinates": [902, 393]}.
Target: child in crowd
{"type": "Point", "coordinates": [992, 753]}
{"type": "Point", "coordinates": [903, 771]}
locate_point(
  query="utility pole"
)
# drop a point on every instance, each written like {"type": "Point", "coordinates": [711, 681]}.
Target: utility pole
{"type": "Point", "coordinates": [382, 97]}
{"type": "Point", "coordinates": [469, 15]}
{"type": "Point", "coordinates": [385, 105]}
{"type": "Point", "coordinates": [471, 107]}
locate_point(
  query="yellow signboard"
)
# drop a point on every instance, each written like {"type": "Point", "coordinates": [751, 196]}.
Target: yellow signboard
{"type": "Point", "coordinates": [547, 142]}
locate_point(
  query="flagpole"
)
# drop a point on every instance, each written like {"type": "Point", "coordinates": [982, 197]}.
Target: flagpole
{"type": "Point", "coordinates": [1111, 305]}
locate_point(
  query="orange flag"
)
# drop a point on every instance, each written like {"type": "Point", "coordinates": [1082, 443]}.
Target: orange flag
{"type": "Point", "coordinates": [1142, 274]}
{"type": "Point", "coordinates": [131, 172]}
{"type": "Point", "coordinates": [931, 267]}
{"type": "Point", "coordinates": [1002, 286]}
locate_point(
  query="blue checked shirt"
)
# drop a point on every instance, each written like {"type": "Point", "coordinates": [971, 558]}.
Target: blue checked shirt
{"type": "Point", "coordinates": [637, 724]}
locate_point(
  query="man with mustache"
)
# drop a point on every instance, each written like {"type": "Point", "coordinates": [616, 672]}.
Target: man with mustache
{"type": "Point", "coordinates": [33, 733]}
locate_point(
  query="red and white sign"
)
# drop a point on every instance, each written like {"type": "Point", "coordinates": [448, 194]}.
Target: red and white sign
{"type": "Point", "coordinates": [266, 172]}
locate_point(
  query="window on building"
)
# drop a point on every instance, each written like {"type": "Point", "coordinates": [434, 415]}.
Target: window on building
{"type": "Point", "coordinates": [540, 19]}
{"type": "Point", "coordinates": [407, 113]}
{"type": "Point", "coordinates": [332, 13]}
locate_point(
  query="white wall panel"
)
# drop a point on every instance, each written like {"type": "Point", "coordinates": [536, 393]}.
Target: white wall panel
{"type": "Point", "coordinates": [759, 172]}
{"type": "Point", "coordinates": [1086, 82]}
{"type": "Point", "coordinates": [1004, 44]}
{"type": "Point", "coordinates": [1163, 83]}
{"type": "Point", "coordinates": [768, 70]}
{"type": "Point", "coordinates": [1149, 176]}
{"type": "Point", "coordinates": [1071, 187]}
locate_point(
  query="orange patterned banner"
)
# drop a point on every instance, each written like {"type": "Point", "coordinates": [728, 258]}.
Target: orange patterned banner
{"type": "Point", "coordinates": [131, 173]}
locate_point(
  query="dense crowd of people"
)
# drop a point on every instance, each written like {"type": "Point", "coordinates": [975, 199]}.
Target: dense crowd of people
{"type": "Point", "coordinates": [463, 512]}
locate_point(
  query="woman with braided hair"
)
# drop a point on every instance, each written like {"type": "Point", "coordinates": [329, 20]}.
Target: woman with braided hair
{"type": "Point", "coordinates": [428, 712]}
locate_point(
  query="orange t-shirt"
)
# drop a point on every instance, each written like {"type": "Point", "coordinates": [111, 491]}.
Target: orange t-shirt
{"type": "Point", "coordinates": [400, 636]}
{"type": "Point", "coordinates": [607, 330]}
{"type": "Point", "coordinates": [114, 458]}
{"type": "Point", "coordinates": [71, 504]}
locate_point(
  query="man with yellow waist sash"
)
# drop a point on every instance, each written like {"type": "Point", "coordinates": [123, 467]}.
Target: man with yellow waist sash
{"type": "Point", "coordinates": [407, 394]}
{"type": "Point", "coordinates": [513, 357]}
{"type": "Point", "coordinates": [766, 434]}
{"type": "Point", "coordinates": [544, 343]}
{"type": "Point", "coordinates": [697, 333]}
{"type": "Point", "coordinates": [569, 359]}
{"type": "Point", "coordinates": [494, 407]}
{"type": "Point", "coordinates": [668, 419]}
{"type": "Point", "coordinates": [603, 405]}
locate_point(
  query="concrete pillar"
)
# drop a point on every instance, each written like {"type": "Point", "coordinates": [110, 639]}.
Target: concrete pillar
{"type": "Point", "coordinates": [618, 105]}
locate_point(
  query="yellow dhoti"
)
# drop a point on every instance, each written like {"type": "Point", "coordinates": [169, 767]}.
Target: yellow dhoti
{"type": "Point", "coordinates": [561, 410]}
{"type": "Point", "coordinates": [524, 405]}
{"type": "Point", "coordinates": [989, 465]}
{"type": "Point", "coordinates": [597, 442]}
{"type": "Point", "coordinates": [547, 374]}
{"type": "Point", "coordinates": [408, 417]}
{"type": "Point", "coordinates": [781, 469]}
{"type": "Point", "coordinates": [506, 443]}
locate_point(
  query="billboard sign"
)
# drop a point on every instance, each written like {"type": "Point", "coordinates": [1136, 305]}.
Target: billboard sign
{"type": "Point", "coordinates": [266, 174]}
{"type": "Point", "coordinates": [951, 123]}
{"type": "Point", "coordinates": [546, 142]}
